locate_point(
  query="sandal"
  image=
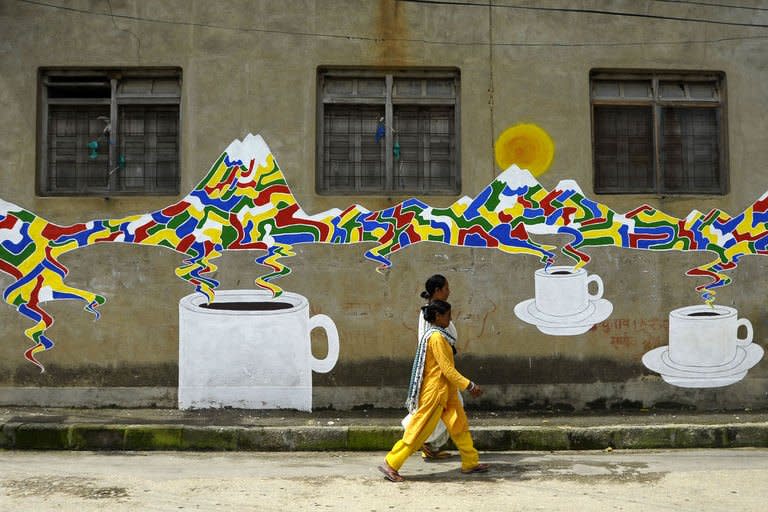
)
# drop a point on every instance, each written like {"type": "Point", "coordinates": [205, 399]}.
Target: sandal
{"type": "Point", "coordinates": [391, 474]}
{"type": "Point", "coordinates": [480, 468]}
{"type": "Point", "coordinates": [428, 454]}
{"type": "Point", "coordinates": [434, 456]}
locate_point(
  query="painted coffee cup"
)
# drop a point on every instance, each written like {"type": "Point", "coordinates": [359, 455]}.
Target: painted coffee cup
{"type": "Point", "coordinates": [564, 291]}
{"type": "Point", "coordinates": [250, 350]}
{"type": "Point", "coordinates": [706, 335]}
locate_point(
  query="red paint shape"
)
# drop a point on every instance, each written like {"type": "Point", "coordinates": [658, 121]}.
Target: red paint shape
{"type": "Point", "coordinates": [52, 231]}
{"type": "Point", "coordinates": [10, 269]}
{"type": "Point", "coordinates": [141, 232]}
{"type": "Point", "coordinates": [546, 202]}
{"type": "Point", "coordinates": [185, 243]}
{"type": "Point", "coordinates": [478, 230]}
{"type": "Point", "coordinates": [250, 169]}
{"type": "Point", "coordinates": [174, 209]}
{"type": "Point", "coordinates": [519, 232]}
{"type": "Point", "coordinates": [52, 260]}
{"type": "Point", "coordinates": [285, 218]}
{"type": "Point", "coordinates": [760, 206]}
{"type": "Point", "coordinates": [688, 234]}
{"type": "Point", "coordinates": [8, 222]}
{"type": "Point", "coordinates": [505, 217]}
{"type": "Point", "coordinates": [596, 220]}
{"type": "Point", "coordinates": [568, 212]}
{"type": "Point", "coordinates": [265, 196]}
{"type": "Point", "coordinates": [638, 210]}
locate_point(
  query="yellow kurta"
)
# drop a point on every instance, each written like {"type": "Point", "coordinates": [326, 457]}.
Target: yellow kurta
{"type": "Point", "coordinates": [439, 387]}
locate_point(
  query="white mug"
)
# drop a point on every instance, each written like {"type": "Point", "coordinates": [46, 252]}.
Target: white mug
{"type": "Point", "coordinates": [706, 336]}
{"type": "Point", "coordinates": [249, 350]}
{"type": "Point", "coordinates": [563, 291]}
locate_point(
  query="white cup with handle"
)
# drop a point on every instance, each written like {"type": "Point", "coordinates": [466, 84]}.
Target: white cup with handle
{"type": "Point", "coordinates": [563, 291]}
{"type": "Point", "coordinates": [250, 350]}
{"type": "Point", "coordinates": [706, 336]}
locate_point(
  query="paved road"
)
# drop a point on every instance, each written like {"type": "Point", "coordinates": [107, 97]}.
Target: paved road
{"type": "Point", "coordinates": [680, 481]}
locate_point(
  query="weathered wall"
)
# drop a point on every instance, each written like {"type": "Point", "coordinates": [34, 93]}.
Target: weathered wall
{"type": "Point", "coordinates": [251, 67]}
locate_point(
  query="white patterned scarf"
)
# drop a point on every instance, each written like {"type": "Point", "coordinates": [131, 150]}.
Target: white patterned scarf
{"type": "Point", "coordinates": [417, 372]}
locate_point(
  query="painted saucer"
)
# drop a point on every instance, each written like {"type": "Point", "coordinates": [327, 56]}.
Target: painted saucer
{"type": "Point", "coordinates": [704, 382]}
{"type": "Point", "coordinates": [746, 357]}
{"type": "Point", "coordinates": [571, 325]}
{"type": "Point", "coordinates": [540, 316]}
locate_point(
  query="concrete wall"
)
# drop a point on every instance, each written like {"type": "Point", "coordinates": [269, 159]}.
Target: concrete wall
{"type": "Point", "coordinates": [250, 66]}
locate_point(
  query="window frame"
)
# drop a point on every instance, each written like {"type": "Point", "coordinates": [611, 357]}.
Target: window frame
{"type": "Point", "coordinates": [657, 104]}
{"type": "Point", "coordinates": [115, 101]}
{"type": "Point", "coordinates": [388, 101]}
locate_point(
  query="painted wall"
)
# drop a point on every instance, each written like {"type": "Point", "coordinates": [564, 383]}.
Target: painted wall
{"type": "Point", "coordinates": [245, 65]}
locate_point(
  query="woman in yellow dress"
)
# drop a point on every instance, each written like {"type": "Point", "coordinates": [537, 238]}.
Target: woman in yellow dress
{"type": "Point", "coordinates": [435, 288]}
{"type": "Point", "coordinates": [433, 395]}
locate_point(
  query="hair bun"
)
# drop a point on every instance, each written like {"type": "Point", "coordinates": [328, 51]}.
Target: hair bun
{"type": "Point", "coordinates": [424, 295]}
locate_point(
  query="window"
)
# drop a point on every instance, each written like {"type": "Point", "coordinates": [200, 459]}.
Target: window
{"type": "Point", "coordinates": [659, 133]}
{"type": "Point", "coordinates": [109, 132]}
{"type": "Point", "coordinates": [388, 132]}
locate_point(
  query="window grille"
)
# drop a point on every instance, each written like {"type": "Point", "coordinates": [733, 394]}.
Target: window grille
{"type": "Point", "coordinates": [109, 132]}
{"type": "Point", "coordinates": [388, 132]}
{"type": "Point", "coordinates": [659, 133]}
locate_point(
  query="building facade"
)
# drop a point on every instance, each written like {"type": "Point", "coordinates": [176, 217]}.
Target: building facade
{"type": "Point", "coordinates": [112, 109]}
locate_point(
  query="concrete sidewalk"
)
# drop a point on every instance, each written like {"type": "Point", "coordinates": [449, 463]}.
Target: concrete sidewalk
{"type": "Point", "coordinates": [375, 429]}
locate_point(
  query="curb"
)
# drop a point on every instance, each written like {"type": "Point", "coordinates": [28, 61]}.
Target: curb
{"type": "Point", "coordinates": [47, 436]}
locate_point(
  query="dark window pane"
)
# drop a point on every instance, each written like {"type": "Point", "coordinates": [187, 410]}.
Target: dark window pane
{"type": "Point", "coordinates": [79, 87]}
{"type": "Point", "coordinates": [139, 154]}
{"type": "Point", "coordinates": [407, 87]}
{"type": "Point", "coordinates": [353, 160]}
{"type": "Point", "coordinates": [339, 86]}
{"type": "Point", "coordinates": [78, 148]}
{"type": "Point", "coordinates": [672, 90]}
{"type": "Point", "coordinates": [371, 87]}
{"type": "Point", "coordinates": [353, 141]}
{"type": "Point", "coordinates": [149, 152]}
{"type": "Point", "coordinates": [623, 149]}
{"type": "Point", "coordinates": [637, 90]}
{"type": "Point", "coordinates": [425, 135]}
{"type": "Point", "coordinates": [703, 91]}
{"type": "Point", "coordinates": [441, 88]}
{"type": "Point", "coordinates": [606, 89]}
{"type": "Point", "coordinates": [690, 152]}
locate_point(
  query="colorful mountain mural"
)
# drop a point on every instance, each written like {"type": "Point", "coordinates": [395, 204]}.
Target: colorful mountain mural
{"type": "Point", "coordinates": [244, 203]}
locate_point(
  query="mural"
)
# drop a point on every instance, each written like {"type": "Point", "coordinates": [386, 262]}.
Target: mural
{"type": "Point", "coordinates": [704, 348]}
{"type": "Point", "coordinates": [259, 373]}
{"type": "Point", "coordinates": [244, 203]}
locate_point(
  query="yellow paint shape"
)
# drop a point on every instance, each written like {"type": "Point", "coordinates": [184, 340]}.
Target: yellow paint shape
{"type": "Point", "coordinates": [527, 146]}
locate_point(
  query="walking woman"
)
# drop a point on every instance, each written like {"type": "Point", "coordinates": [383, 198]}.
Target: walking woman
{"type": "Point", "coordinates": [436, 288]}
{"type": "Point", "coordinates": [433, 395]}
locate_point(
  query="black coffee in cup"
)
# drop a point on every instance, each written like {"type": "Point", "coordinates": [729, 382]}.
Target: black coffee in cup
{"type": "Point", "coordinates": [247, 306]}
{"type": "Point", "coordinates": [704, 313]}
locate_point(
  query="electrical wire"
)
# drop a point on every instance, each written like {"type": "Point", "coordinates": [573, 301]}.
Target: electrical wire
{"type": "Point", "coordinates": [585, 11]}
{"type": "Point", "coordinates": [350, 37]}
{"type": "Point", "coordinates": [708, 4]}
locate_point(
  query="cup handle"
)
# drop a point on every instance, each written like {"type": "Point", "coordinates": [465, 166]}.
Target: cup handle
{"type": "Point", "coordinates": [596, 278]}
{"type": "Point", "coordinates": [746, 323]}
{"type": "Point", "coordinates": [327, 364]}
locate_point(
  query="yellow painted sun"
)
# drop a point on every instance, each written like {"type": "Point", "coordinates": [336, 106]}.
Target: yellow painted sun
{"type": "Point", "coordinates": [527, 146]}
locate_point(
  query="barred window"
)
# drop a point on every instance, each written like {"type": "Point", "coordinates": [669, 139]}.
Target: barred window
{"type": "Point", "coordinates": [659, 132]}
{"type": "Point", "coordinates": [109, 132]}
{"type": "Point", "coordinates": [388, 132]}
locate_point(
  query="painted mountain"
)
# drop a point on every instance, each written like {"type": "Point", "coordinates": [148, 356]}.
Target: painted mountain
{"type": "Point", "coordinates": [244, 203]}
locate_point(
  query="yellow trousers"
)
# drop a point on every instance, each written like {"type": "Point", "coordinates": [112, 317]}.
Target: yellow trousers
{"type": "Point", "coordinates": [463, 441]}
